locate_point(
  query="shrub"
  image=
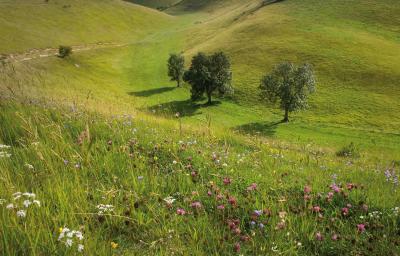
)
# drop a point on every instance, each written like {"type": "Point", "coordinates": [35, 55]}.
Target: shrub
{"type": "Point", "coordinates": [64, 51]}
{"type": "Point", "coordinates": [349, 151]}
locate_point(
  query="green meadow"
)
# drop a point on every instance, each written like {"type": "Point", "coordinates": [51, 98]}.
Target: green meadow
{"type": "Point", "coordinates": [100, 129]}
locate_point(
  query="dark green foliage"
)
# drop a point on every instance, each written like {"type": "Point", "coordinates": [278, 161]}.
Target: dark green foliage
{"type": "Point", "coordinates": [64, 51]}
{"type": "Point", "coordinates": [176, 66]}
{"type": "Point", "coordinates": [289, 84]}
{"type": "Point", "coordinates": [349, 151]}
{"type": "Point", "coordinates": [208, 74]}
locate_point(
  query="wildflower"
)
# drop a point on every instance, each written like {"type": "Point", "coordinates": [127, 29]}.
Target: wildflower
{"type": "Point", "coordinates": [37, 202]}
{"type": "Point", "coordinates": [174, 162]}
{"type": "Point", "coordinates": [220, 197]}
{"type": "Point", "coordinates": [140, 178]}
{"type": "Point", "coordinates": [196, 205]}
{"type": "Point", "coordinates": [221, 207]}
{"type": "Point", "coordinates": [252, 187]}
{"type": "Point", "coordinates": [261, 226]}
{"type": "Point", "coordinates": [10, 206]}
{"type": "Point", "coordinates": [361, 227]}
{"type": "Point", "coordinates": [232, 200]}
{"type": "Point", "coordinates": [21, 214]}
{"type": "Point", "coordinates": [104, 208]}
{"type": "Point", "coordinates": [319, 236]}
{"type": "Point", "coordinates": [335, 188]}
{"type": "Point", "coordinates": [180, 211]}
{"type": "Point", "coordinates": [236, 248]}
{"type": "Point", "coordinates": [282, 215]}
{"type": "Point", "coordinates": [80, 247]}
{"type": "Point", "coordinates": [114, 245]}
{"type": "Point", "coordinates": [316, 208]}
{"type": "Point", "coordinates": [29, 166]}
{"type": "Point", "coordinates": [169, 200]}
{"type": "Point", "coordinates": [345, 211]}
{"type": "Point", "coordinates": [252, 223]}
{"type": "Point", "coordinates": [66, 162]}
{"type": "Point", "coordinates": [209, 193]}
{"type": "Point", "coordinates": [69, 242]}
{"type": "Point", "coordinates": [307, 189]}
{"type": "Point", "coordinates": [335, 237]}
{"type": "Point", "coordinates": [258, 213]}
{"type": "Point", "coordinates": [227, 181]}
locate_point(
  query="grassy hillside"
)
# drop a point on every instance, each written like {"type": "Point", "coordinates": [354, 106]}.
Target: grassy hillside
{"type": "Point", "coordinates": [37, 24]}
{"type": "Point", "coordinates": [96, 139]}
{"type": "Point", "coordinates": [182, 191]}
{"type": "Point", "coordinates": [158, 4]}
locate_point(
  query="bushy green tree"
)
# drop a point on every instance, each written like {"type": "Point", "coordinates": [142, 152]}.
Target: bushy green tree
{"type": "Point", "coordinates": [209, 74]}
{"type": "Point", "coordinates": [291, 85]}
{"type": "Point", "coordinates": [176, 67]}
{"type": "Point", "coordinates": [64, 51]}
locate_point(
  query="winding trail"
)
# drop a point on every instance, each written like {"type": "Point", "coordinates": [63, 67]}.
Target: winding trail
{"type": "Point", "coordinates": [50, 52]}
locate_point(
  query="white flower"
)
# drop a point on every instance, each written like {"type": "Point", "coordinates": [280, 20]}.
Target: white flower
{"type": "Point", "coordinates": [80, 247]}
{"type": "Point", "coordinates": [68, 243]}
{"type": "Point", "coordinates": [169, 200]}
{"type": "Point", "coordinates": [21, 213]}
{"type": "Point", "coordinates": [4, 146]}
{"type": "Point", "coordinates": [79, 235]}
{"type": "Point", "coordinates": [174, 162]}
{"type": "Point", "coordinates": [36, 202]}
{"type": "Point", "coordinates": [70, 234]}
{"type": "Point", "coordinates": [29, 166]}
{"type": "Point", "coordinates": [10, 206]}
{"type": "Point", "coordinates": [26, 203]}
{"type": "Point", "coordinates": [27, 194]}
{"type": "Point", "coordinates": [4, 154]}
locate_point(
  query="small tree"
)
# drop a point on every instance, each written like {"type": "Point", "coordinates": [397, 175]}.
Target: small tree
{"type": "Point", "coordinates": [208, 74]}
{"type": "Point", "coordinates": [289, 84]}
{"type": "Point", "coordinates": [64, 51]}
{"type": "Point", "coordinates": [176, 65]}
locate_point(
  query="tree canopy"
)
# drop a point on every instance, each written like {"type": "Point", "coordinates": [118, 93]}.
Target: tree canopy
{"type": "Point", "coordinates": [209, 74]}
{"type": "Point", "coordinates": [176, 66]}
{"type": "Point", "coordinates": [290, 84]}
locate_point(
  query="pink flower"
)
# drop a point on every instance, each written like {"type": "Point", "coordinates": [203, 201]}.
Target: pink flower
{"type": "Point", "coordinates": [221, 207]}
{"type": "Point", "coordinates": [196, 205]}
{"type": "Point", "coordinates": [220, 197]}
{"type": "Point", "coordinates": [335, 237]}
{"type": "Point", "coordinates": [227, 181]}
{"type": "Point", "coordinates": [252, 187]}
{"type": "Point", "coordinates": [316, 208]}
{"type": "Point", "coordinates": [345, 211]}
{"type": "Point", "coordinates": [307, 197]}
{"type": "Point", "coordinates": [307, 189]}
{"type": "Point", "coordinates": [209, 193]}
{"type": "Point", "coordinates": [319, 236]}
{"type": "Point", "coordinates": [180, 211]}
{"type": "Point", "coordinates": [361, 228]}
{"type": "Point", "coordinates": [335, 188]}
{"type": "Point", "coordinates": [232, 200]}
{"type": "Point", "coordinates": [236, 248]}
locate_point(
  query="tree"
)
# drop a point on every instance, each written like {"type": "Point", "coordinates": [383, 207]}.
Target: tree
{"type": "Point", "coordinates": [176, 65]}
{"type": "Point", "coordinates": [64, 51]}
{"type": "Point", "coordinates": [208, 74]}
{"type": "Point", "coordinates": [289, 84]}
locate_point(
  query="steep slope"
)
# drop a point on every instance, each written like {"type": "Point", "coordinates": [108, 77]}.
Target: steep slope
{"type": "Point", "coordinates": [40, 24]}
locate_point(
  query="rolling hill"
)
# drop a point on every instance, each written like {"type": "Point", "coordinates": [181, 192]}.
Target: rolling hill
{"type": "Point", "coordinates": [101, 154]}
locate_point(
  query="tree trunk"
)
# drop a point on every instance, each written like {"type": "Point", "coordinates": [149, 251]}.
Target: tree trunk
{"type": "Point", "coordinates": [209, 98]}
{"type": "Point", "coordinates": [179, 82]}
{"type": "Point", "coordinates": [286, 118]}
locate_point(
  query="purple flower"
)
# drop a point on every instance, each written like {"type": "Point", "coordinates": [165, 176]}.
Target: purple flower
{"type": "Point", "coordinates": [221, 207]}
{"type": "Point", "coordinates": [261, 226]}
{"type": "Point", "coordinates": [258, 212]}
{"type": "Point", "coordinates": [66, 162]}
{"type": "Point", "coordinates": [361, 228]}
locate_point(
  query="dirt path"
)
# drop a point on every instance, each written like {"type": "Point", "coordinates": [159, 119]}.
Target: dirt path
{"type": "Point", "coordinates": [49, 52]}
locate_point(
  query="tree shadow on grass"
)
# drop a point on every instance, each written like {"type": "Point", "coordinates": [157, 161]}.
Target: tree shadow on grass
{"type": "Point", "coordinates": [259, 128]}
{"type": "Point", "coordinates": [185, 108]}
{"type": "Point", "coordinates": [151, 92]}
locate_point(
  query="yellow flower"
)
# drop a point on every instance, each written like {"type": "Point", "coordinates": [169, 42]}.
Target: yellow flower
{"type": "Point", "coordinates": [60, 230]}
{"type": "Point", "coordinates": [114, 245]}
